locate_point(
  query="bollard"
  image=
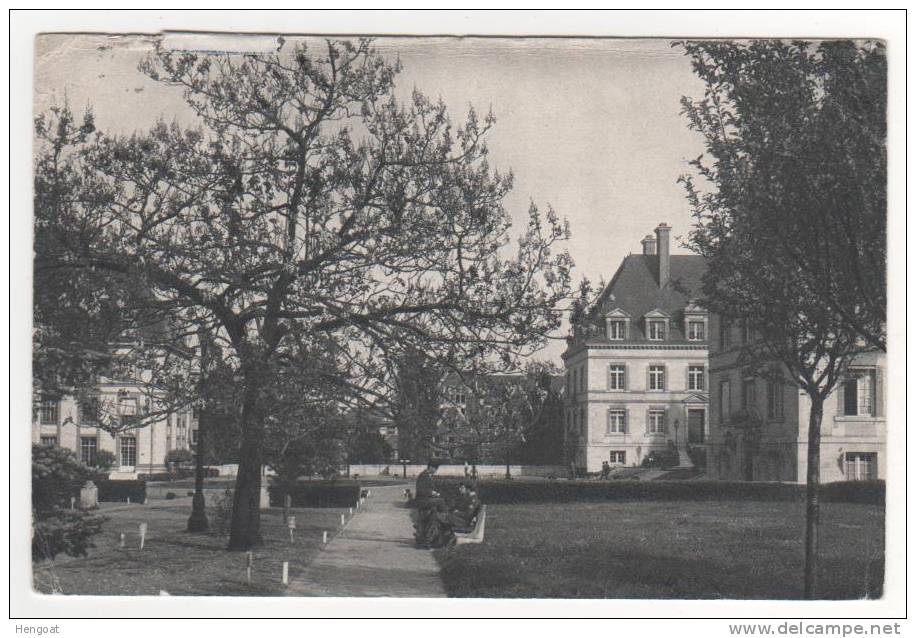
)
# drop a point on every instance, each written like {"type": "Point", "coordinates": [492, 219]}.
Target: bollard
{"type": "Point", "coordinates": [324, 538]}
{"type": "Point", "coordinates": [291, 524]}
{"type": "Point", "coordinates": [248, 569]}
{"type": "Point", "coordinates": [343, 520]}
{"type": "Point", "coordinates": [73, 502]}
{"type": "Point", "coordinates": [350, 511]}
{"type": "Point", "coordinates": [143, 528]}
{"type": "Point", "coordinates": [128, 500]}
{"type": "Point", "coordinates": [122, 540]}
{"type": "Point", "coordinates": [285, 572]}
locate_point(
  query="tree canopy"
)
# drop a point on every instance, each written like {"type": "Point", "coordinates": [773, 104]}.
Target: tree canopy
{"type": "Point", "coordinates": [310, 209]}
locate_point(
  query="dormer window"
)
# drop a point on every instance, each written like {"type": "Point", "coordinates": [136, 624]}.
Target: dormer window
{"type": "Point", "coordinates": [618, 324]}
{"type": "Point", "coordinates": [656, 329]}
{"type": "Point", "coordinates": [695, 326]}
{"type": "Point", "coordinates": [617, 329]}
{"type": "Point", "coordinates": [696, 330]}
{"type": "Point", "coordinates": [656, 325]}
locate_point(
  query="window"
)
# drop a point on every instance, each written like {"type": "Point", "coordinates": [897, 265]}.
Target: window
{"type": "Point", "coordinates": [696, 378]}
{"type": "Point", "coordinates": [127, 411]}
{"type": "Point", "coordinates": [49, 412]}
{"type": "Point", "coordinates": [617, 329]}
{"type": "Point", "coordinates": [128, 449]}
{"type": "Point", "coordinates": [657, 422]}
{"type": "Point", "coordinates": [748, 394]}
{"type": "Point", "coordinates": [617, 422]}
{"type": "Point", "coordinates": [861, 466]}
{"type": "Point", "coordinates": [194, 436]}
{"type": "Point", "coordinates": [89, 411]}
{"type": "Point", "coordinates": [724, 329]}
{"type": "Point", "coordinates": [89, 445]}
{"type": "Point", "coordinates": [747, 332]}
{"type": "Point", "coordinates": [696, 331]}
{"type": "Point", "coordinates": [725, 400]}
{"type": "Point", "coordinates": [774, 399]}
{"type": "Point", "coordinates": [656, 377]}
{"type": "Point", "coordinates": [859, 393]}
{"type": "Point", "coordinates": [49, 440]}
{"type": "Point", "coordinates": [616, 377]}
{"type": "Point", "coordinates": [656, 329]}
{"type": "Point", "coordinates": [618, 457]}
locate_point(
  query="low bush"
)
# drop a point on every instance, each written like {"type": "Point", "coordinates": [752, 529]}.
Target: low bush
{"type": "Point", "coordinates": [662, 458]}
{"type": "Point", "coordinates": [868, 492]}
{"type": "Point", "coordinates": [119, 491]}
{"type": "Point", "coordinates": [64, 532]}
{"type": "Point", "coordinates": [317, 494]}
{"type": "Point", "coordinates": [539, 491]}
{"type": "Point", "coordinates": [180, 474]}
{"type": "Point", "coordinates": [169, 496]}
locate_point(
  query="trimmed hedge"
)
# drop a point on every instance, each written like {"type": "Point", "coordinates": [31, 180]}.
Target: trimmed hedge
{"type": "Point", "coordinates": [318, 494]}
{"type": "Point", "coordinates": [112, 491]}
{"type": "Point", "coordinates": [180, 474]}
{"type": "Point", "coordinates": [529, 491]}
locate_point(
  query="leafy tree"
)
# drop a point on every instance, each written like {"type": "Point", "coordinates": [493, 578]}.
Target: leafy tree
{"type": "Point", "coordinates": [311, 205]}
{"type": "Point", "coordinates": [102, 461]}
{"type": "Point", "coordinates": [790, 214]}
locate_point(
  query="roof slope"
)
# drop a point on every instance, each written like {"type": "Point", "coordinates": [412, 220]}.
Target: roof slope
{"type": "Point", "coordinates": [635, 290]}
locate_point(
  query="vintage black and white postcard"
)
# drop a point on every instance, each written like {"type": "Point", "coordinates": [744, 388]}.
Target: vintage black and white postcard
{"type": "Point", "coordinates": [389, 317]}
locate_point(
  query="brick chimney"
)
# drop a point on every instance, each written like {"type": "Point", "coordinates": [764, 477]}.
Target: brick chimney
{"type": "Point", "coordinates": [648, 245]}
{"type": "Point", "coordinates": [662, 234]}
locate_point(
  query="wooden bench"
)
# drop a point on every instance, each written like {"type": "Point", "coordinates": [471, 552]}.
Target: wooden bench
{"type": "Point", "coordinates": [475, 536]}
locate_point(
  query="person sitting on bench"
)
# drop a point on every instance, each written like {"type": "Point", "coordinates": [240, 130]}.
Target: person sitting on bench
{"type": "Point", "coordinates": [432, 523]}
{"type": "Point", "coordinates": [464, 510]}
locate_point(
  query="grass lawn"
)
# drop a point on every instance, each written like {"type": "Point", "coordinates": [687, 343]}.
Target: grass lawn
{"type": "Point", "coordinates": [667, 550]}
{"type": "Point", "coordinates": [186, 564]}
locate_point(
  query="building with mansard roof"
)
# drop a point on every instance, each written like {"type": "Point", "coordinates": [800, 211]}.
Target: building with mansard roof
{"type": "Point", "coordinates": [637, 363]}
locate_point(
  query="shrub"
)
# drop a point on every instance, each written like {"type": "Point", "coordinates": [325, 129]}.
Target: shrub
{"type": "Point", "coordinates": [64, 531]}
{"type": "Point", "coordinates": [697, 456]}
{"type": "Point", "coordinates": [170, 496]}
{"type": "Point", "coordinates": [103, 461]}
{"type": "Point", "coordinates": [55, 470]}
{"type": "Point", "coordinates": [119, 491]}
{"type": "Point", "coordinates": [317, 494]}
{"type": "Point", "coordinates": [57, 476]}
{"type": "Point", "coordinates": [661, 458]}
{"type": "Point", "coordinates": [867, 492]}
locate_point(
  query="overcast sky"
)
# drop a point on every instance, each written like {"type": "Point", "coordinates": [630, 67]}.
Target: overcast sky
{"type": "Point", "coordinates": [590, 126]}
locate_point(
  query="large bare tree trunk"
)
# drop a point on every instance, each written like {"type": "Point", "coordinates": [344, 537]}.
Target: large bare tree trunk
{"type": "Point", "coordinates": [245, 528]}
{"type": "Point", "coordinates": [812, 500]}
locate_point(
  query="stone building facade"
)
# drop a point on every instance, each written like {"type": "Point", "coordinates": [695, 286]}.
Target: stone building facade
{"type": "Point", "coordinates": [124, 401]}
{"type": "Point", "coordinates": [759, 426]}
{"type": "Point", "coordinates": [636, 363]}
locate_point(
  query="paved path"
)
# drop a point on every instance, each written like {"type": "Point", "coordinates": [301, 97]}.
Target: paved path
{"type": "Point", "coordinates": [374, 555]}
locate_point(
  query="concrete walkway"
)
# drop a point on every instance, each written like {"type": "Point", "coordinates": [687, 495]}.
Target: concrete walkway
{"type": "Point", "coordinates": [374, 555]}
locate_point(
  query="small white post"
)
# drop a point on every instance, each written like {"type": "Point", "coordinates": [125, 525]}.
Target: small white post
{"type": "Point", "coordinates": [350, 511]}
{"type": "Point", "coordinates": [343, 520]}
{"type": "Point", "coordinates": [324, 538]}
{"type": "Point", "coordinates": [128, 500]}
{"type": "Point", "coordinates": [285, 572]}
{"type": "Point", "coordinates": [143, 528]}
{"type": "Point", "coordinates": [248, 569]}
{"type": "Point", "coordinates": [73, 502]}
{"type": "Point", "coordinates": [122, 540]}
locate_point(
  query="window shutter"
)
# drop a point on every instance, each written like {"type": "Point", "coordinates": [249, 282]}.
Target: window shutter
{"type": "Point", "coordinates": [626, 421]}
{"type": "Point", "coordinates": [648, 422]}
{"type": "Point", "coordinates": [840, 397]}
{"type": "Point", "coordinates": [687, 379]}
{"type": "Point", "coordinates": [665, 421]}
{"type": "Point", "coordinates": [626, 377]}
{"type": "Point", "coordinates": [879, 391]}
